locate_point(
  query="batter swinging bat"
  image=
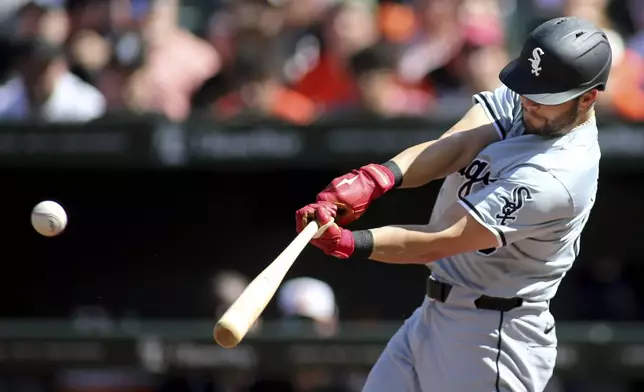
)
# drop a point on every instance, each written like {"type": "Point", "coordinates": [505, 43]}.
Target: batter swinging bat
{"type": "Point", "coordinates": [242, 314]}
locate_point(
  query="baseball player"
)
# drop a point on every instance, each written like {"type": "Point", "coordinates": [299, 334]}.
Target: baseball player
{"type": "Point", "coordinates": [521, 172]}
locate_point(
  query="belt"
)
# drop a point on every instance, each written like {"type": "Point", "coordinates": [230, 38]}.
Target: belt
{"type": "Point", "coordinates": [440, 291]}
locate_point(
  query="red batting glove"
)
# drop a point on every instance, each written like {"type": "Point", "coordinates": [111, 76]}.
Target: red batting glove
{"type": "Point", "coordinates": [353, 192]}
{"type": "Point", "coordinates": [335, 241]}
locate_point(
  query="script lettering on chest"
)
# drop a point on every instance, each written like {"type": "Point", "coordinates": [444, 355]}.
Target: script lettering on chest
{"type": "Point", "coordinates": [477, 172]}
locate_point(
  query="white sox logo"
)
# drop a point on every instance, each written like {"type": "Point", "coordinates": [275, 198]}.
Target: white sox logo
{"type": "Point", "coordinates": [510, 207]}
{"type": "Point", "coordinates": [477, 172]}
{"type": "Point", "coordinates": [535, 62]}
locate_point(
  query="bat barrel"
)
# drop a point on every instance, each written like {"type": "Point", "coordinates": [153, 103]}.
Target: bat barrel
{"type": "Point", "coordinates": [225, 337]}
{"type": "Point", "coordinates": [243, 313]}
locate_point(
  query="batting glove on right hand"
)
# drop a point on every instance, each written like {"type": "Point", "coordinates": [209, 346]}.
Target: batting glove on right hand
{"type": "Point", "coordinates": [334, 241]}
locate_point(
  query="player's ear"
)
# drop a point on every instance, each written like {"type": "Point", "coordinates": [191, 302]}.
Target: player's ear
{"type": "Point", "coordinates": [587, 99]}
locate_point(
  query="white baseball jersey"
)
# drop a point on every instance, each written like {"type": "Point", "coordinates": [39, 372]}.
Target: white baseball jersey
{"type": "Point", "coordinates": [533, 192]}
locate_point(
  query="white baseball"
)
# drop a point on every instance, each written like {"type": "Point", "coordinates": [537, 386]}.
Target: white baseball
{"type": "Point", "coordinates": [49, 218]}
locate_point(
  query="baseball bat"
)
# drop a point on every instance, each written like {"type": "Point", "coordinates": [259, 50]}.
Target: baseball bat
{"type": "Point", "coordinates": [242, 314]}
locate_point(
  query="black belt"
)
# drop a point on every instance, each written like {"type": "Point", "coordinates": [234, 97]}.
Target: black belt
{"type": "Point", "coordinates": [439, 291]}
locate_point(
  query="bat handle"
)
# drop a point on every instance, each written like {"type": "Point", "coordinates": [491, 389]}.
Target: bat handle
{"type": "Point", "coordinates": [321, 229]}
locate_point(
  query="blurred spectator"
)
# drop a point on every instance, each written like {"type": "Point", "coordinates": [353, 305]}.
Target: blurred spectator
{"type": "Point", "coordinates": [636, 12]}
{"type": "Point", "coordinates": [627, 87]}
{"type": "Point", "coordinates": [396, 21]}
{"type": "Point", "coordinates": [259, 90]}
{"type": "Point", "coordinates": [437, 40]}
{"type": "Point", "coordinates": [457, 49]}
{"type": "Point", "coordinates": [628, 83]}
{"type": "Point", "coordinates": [177, 63]}
{"type": "Point", "coordinates": [226, 24]}
{"type": "Point", "coordinates": [482, 66]}
{"type": "Point", "coordinates": [596, 11]}
{"type": "Point", "coordinates": [89, 52]}
{"type": "Point", "coordinates": [300, 14]}
{"type": "Point", "coordinates": [311, 299]}
{"type": "Point", "coordinates": [89, 15]}
{"type": "Point", "coordinates": [42, 19]}
{"type": "Point", "coordinates": [227, 286]}
{"type": "Point", "coordinates": [226, 29]}
{"type": "Point", "coordinates": [348, 28]}
{"type": "Point", "coordinates": [380, 92]}
{"type": "Point", "coordinates": [115, 79]}
{"type": "Point", "coordinates": [44, 88]}
{"type": "Point", "coordinates": [478, 67]}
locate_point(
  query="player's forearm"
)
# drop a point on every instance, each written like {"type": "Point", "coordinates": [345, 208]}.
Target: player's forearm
{"type": "Point", "coordinates": [454, 150]}
{"type": "Point", "coordinates": [429, 161]}
{"type": "Point", "coordinates": [404, 244]}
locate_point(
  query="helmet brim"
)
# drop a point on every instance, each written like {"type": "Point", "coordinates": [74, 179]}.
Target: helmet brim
{"type": "Point", "coordinates": [518, 77]}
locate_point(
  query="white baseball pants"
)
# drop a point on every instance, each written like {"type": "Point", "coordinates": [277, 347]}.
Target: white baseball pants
{"type": "Point", "coordinates": [455, 347]}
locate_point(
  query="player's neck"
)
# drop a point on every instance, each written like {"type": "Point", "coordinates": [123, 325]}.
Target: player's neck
{"type": "Point", "coordinates": [589, 115]}
{"type": "Point", "coordinates": [585, 118]}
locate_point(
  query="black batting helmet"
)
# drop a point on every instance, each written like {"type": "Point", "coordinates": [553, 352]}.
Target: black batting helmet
{"type": "Point", "coordinates": [561, 59]}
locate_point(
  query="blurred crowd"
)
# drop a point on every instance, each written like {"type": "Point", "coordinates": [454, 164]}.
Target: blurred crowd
{"type": "Point", "coordinates": [298, 61]}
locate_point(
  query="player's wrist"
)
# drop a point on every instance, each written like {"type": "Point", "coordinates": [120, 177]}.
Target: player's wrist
{"type": "Point", "coordinates": [395, 171]}
{"type": "Point", "coordinates": [362, 243]}
{"type": "Point", "coordinates": [386, 176]}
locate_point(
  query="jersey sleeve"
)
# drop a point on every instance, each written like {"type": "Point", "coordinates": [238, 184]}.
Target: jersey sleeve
{"type": "Point", "coordinates": [526, 203]}
{"type": "Point", "coordinates": [500, 106]}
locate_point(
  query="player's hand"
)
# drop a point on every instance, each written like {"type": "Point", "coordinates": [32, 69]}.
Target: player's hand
{"type": "Point", "coordinates": [354, 191]}
{"type": "Point", "coordinates": [334, 241]}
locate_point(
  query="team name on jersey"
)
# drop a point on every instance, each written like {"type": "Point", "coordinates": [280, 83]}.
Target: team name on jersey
{"type": "Point", "coordinates": [477, 172]}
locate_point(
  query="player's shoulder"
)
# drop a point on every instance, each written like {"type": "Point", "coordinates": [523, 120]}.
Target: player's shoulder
{"type": "Point", "coordinates": [570, 173]}
{"type": "Point", "coordinates": [572, 152]}
{"type": "Point", "coordinates": [500, 95]}
{"type": "Point", "coordinates": [568, 155]}
{"type": "Point", "coordinates": [503, 108]}
{"type": "Point", "coordinates": [534, 175]}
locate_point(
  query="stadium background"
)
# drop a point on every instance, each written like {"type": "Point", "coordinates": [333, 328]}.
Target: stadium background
{"type": "Point", "coordinates": [181, 138]}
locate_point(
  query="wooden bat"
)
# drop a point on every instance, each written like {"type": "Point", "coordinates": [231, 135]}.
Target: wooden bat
{"type": "Point", "coordinates": [242, 314]}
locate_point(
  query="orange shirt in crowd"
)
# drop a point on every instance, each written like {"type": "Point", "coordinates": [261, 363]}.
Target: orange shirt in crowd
{"type": "Point", "coordinates": [628, 88]}
{"type": "Point", "coordinates": [397, 22]}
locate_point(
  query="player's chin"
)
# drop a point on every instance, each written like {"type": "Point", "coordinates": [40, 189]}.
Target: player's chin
{"type": "Point", "coordinates": [546, 130]}
{"type": "Point", "coordinates": [533, 128]}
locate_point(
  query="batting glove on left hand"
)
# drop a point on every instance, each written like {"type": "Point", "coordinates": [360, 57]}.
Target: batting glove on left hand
{"type": "Point", "coordinates": [355, 191]}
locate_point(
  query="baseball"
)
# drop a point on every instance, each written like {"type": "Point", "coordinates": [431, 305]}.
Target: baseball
{"type": "Point", "coordinates": [48, 218]}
